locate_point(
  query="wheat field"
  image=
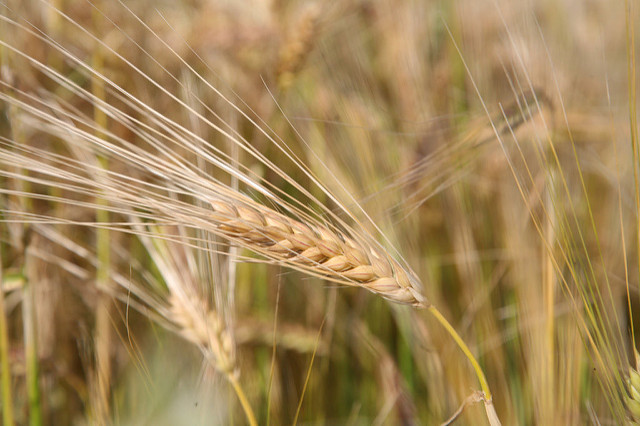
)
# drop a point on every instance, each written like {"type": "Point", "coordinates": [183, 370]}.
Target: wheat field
{"type": "Point", "coordinates": [307, 212]}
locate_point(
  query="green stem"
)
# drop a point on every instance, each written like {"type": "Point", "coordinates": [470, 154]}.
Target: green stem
{"type": "Point", "coordinates": [31, 356]}
{"type": "Point", "coordinates": [488, 397]}
{"type": "Point", "coordinates": [102, 399]}
{"type": "Point", "coordinates": [248, 411]}
{"type": "Point", "coordinates": [5, 371]}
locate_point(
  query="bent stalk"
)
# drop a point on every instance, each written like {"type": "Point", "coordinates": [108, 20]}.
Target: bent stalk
{"type": "Point", "coordinates": [488, 398]}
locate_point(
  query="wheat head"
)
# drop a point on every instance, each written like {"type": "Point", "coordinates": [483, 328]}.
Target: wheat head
{"type": "Point", "coordinates": [311, 245]}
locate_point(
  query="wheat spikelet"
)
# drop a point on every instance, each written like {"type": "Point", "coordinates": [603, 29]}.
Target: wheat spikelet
{"type": "Point", "coordinates": [317, 247]}
{"type": "Point", "coordinates": [632, 399]}
{"type": "Point", "coordinates": [296, 48]}
{"type": "Point", "coordinates": [204, 328]}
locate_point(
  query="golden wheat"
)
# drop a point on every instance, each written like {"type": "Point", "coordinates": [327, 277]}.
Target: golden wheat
{"type": "Point", "coordinates": [312, 245]}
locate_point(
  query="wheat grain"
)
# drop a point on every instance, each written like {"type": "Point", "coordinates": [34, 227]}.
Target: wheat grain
{"type": "Point", "coordinates": [312, 245]}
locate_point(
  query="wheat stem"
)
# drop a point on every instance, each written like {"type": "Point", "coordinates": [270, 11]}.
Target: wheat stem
{"type": "Point", "coordinates": [29, 319]}
{"type": "Point", "coordinates": [101, 399]}
{"type": "Point", "coordinates": [488, 401]}
{"type": "Point", "coordinates": [5, 368]}
{"type": "Point", "coordinates": [306, 380]}
{"type": "Point", "coordinates": [248, 411]}
{"type": "Point", "coordinates": [31, 355]}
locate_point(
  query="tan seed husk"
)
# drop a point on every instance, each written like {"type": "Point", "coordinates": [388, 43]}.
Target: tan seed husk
{"type": "Point", "coordinates": [317, 249]}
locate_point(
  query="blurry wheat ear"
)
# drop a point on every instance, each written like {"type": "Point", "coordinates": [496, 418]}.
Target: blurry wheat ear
{"type": "Point", "coordinates": [632, 399]}
{"type": "Point", "coordinates": [297, 46]}
{"type": "Point", "coordinates": [204, 328]}
{"type": "Point", "coordinates": [190, 310]}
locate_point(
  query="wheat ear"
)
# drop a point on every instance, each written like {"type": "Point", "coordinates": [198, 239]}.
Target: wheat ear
{"type": "Point", "coordinates": [204, 328]}
{"type": "Point", "coordinates": [189, 309]}
{"type": "Point", "coordinates": [632, 399]}
{"type": "Point", "coordinates": [329, 253]}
